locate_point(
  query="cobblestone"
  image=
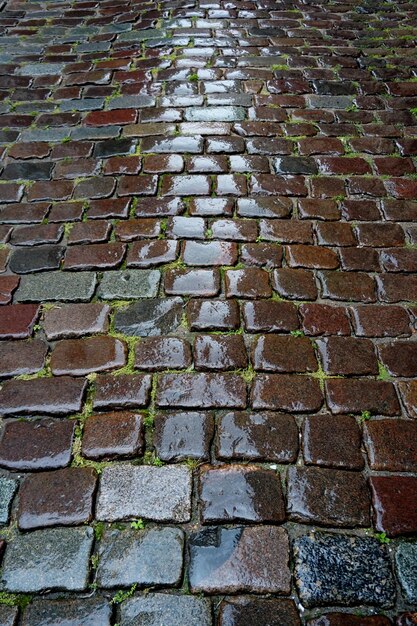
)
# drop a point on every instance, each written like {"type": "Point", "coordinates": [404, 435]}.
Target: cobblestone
{"type": "Point", "coordinates": [232, 494]}
{"type": "Point", "coordinates": [172, 609]}
{"type": "Point", "coordinates": [48, 559]}
{"type": "Point", "coordinates": [328, 497]}
{"type": "Point", "coordinates": [244, 610]}
{"type": "Point", "coordinates": [183, 435]}
{"type": "Point", "coordinates": [162, 493]}
{"type": "Point", "coordinates": [8, 488]}
{"type": "Point", "coordinates": [342, 569]}
{"type": "Point", "coordinates": [207, 298]}
{"type": "Point", "coordinates": [150, 557]}
{"type": "Point", "coordinates": [61, 286]}
{"type": "Point", "coordinates": [257, 560]}
{"type": "Point", "coordinates": [63, 497]}
{"type": "Point", "coordinates": [68, 612]}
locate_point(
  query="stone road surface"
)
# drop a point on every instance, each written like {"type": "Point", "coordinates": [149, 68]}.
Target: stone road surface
{"type": "Point", "coordinates": [208, 351]}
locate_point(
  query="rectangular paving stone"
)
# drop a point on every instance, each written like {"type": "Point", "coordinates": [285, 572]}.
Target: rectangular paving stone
{"type": "Point", "coordinates": [283, 354]}
{"type": "Point", "coordinates": [22, 357]}
{"type": "Point", "coordinates": [36, 444]}
{"type": "Point", "coordinates": [129, 284]}
{"type": "Point", "coordinates": [257, 436]}
{"type": "Point", "coordinates": [356, 395]}
{"type": "Point", "coordinates": [213, 314]}
{"type": "Point", "coordinates": [286, 393]}
{"type": "Point", "coordinates": [146, 557]}
{"type": "Point", "coordinates": [342, 569]}
{"type": "Point", "coordinates": [252, 559]}
{"type": "Point", "coordinates": [40, 258]}
{"type": "Point", "coordinates": [331, 441]}
{"type": "Point", "coordinates": [63, 286]}
{"type": "Point", "coordinates": [40, 69]}
{"type": "Point", "coordinates": [406, 569]}
{"type": "Point", "coordinates": [57, 558]}
{"type": "Point", "coordinates": [124, 391]}
{"type": "Point", "coordinates": [156, 493]}
{"type": "Point", "coordinates": [189, 282]}
{"type": "Point", "coordinates": [150, 317]}
{"type": "Point", "coordinates": [214, 114]}
{"type": "Point", "coordinates": [220, 352]}
{"type": "Point", "coordinates": [393, 501]}
{"type": "Point", "coordinates": [87, 355]}
{"type": "Point", "coordinates": [169, 609]}
{"type": "Point", "coordinates": [183, 435]}
{"type": "Point", "coordinates": [233, 493]}
{"type": "Point", "coordinates": [329, 102]}
{"type": "Point", "coordinates": [328, 497]}
{"type": "Point", "coordinates": [201, 391]}
{"type": "Point", "coordinates": [160, 353]}
{"type": "Point", "coordinates": [75, 320]}
{"type": "Point", "coordinates": [63, 497]}
{"type": "Point", "coordinates": [391, 445]}
{"type": "Point", "coordinates": [42, 395]}
{"type": "Point", "coordinates": [248, 610]}
{"type": "Point", "coordinates": [175, 145]}
{"type": "Point", "coordinates": [113, 435]}
{"type": "Point", "coordinates": [73, 612]}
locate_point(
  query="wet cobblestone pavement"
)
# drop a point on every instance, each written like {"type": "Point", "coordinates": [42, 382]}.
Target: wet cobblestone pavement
{"type": "Point", "coordinates": [208, 276]}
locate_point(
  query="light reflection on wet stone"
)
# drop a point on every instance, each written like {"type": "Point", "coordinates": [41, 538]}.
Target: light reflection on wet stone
{"type": "Point", "coordinates": [226, 560]}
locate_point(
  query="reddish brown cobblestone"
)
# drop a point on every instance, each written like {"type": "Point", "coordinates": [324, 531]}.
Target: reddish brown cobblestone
{"type": "Point", "coordinates": [212, 207]}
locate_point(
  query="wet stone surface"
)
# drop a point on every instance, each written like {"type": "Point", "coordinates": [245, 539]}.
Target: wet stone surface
{"type": "Point", "coordinates": [183, 435]}
{"type": "Point", "coordinates": [347, 570]}
{"type": "Point", "coordinates": [246, 610]}
{"type": "Point", "coordinates": [332, 441]}
{"type": "Point", "coordinates": [151, 317]}
{"type": "Point", "coordinates": [328, 497]}
{"type": "Point", "coordinates": [392, 445]}
{"type": "Point", "coordinates": [212, 315]}
{"type": "Point", "coordinates": [76, 320]}
{"type": "Point", "coordinates": [149, 557]}
{"type": "Point", "coordinates": [201, 391]}
{"type": "Point", "coordinates": [236, 494]}
{"type": "Point", "coordinates": [113, 435]}
{"type": "Point", "coordinates": [392, 500]}
{"type": "Point", "coordinates": [23, 357]}
{"type": "Point", "coordinates": [156, 493]}
{"type": "Point", "coordinates": [85, 612]}
{"type": "Point", "coordinates": [83, 356]}
{"type": "Point", "coordinates": [57, 558]}
{"type": "Point", "coordinates": [38, 444]}
{"type": "Point", "coordinates": [207, 313]}
{"type": "Point", "coordinates": [64, 286]}
{"type": "Point", "coordinates": [159, 353]}
{"type": "Point", "coordinates": [129, 284]}
{"type": "Point", "coordinates": [239, 559]}
{"type": "Point", "coordinates": [171, 609]}
{"type": "Point", "coordinates": [119, 392]}
{"type": "Point", "coordinates": [8, 487]}
{"type": "Point", "coordinates": [17, 320]}
{"type": "Point", "coordinates": [63, 497]}
{"type": "Point", "coordinates": [257, 436]}
{"type": "Point", "coordinates": [406, 569]}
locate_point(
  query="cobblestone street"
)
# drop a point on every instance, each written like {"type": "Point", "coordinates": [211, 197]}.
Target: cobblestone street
{"type": "Point", "coordinates": [208, 280]}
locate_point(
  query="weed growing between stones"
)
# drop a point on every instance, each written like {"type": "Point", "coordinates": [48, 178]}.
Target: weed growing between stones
{"type": "Point", "coordinates": [121, 595]}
